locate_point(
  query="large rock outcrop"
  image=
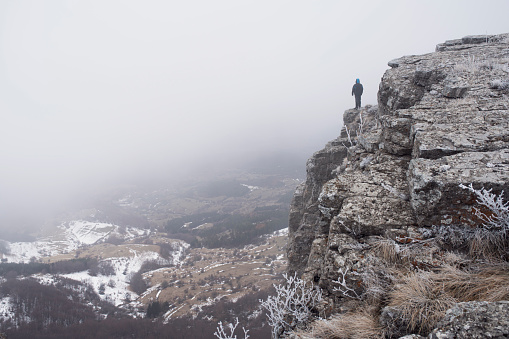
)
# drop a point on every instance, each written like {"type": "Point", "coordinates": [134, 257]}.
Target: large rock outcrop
{"type": "Point", "coordinates": [442, 120]}
{"type": "Point", "coordinates": [475, 319]}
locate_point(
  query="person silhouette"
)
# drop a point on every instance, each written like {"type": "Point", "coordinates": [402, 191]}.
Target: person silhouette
{"type": "Point", "coordinates": [357, 90]}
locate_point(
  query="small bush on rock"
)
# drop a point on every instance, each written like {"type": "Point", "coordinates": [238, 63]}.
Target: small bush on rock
{"type": "Point", "coordinates": [492, 239]}
{"type": "Point", "coordinates": [292, 306]}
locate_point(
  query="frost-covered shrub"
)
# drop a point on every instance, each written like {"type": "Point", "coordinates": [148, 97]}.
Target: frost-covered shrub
{"type": "Point", "coordinates": [292, 306]}
{"type": "Point", "coordinates": [498, 218]}
{"type": "Point", "coordinates": [474, 65]}
{"type": "Point", "coordinates": [221, 331]}
{"type": "Point", "coordinates": [342, 286]}
{"type": "Point", "coordinates": [499, 84]}
{"type": "Point", "coordinates": [492, 239]}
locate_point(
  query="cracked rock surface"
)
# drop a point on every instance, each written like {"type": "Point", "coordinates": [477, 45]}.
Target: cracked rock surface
{"type": "Point", "coordinates": [442, 120]}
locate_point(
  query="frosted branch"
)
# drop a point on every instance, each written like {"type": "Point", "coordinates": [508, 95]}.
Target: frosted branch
{"type": "Point", "coordinates": [498, 219]}
{"type": "Point", "coordinates": [343, 287]}
{"type": "Point", "coordinates": [292, 304]}
{"type": "Point", "coordinates": [221, 331]}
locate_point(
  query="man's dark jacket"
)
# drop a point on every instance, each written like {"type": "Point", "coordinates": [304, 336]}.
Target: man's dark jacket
{"type": "Point", "coordinates": [357, 90]}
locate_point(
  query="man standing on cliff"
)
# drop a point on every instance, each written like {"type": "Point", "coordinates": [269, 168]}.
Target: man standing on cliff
{"type": "Point", "coordinates": [357, 91]}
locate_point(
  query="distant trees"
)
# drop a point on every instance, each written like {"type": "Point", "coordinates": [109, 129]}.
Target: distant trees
{"type": "Point", "coordinates": [229, 230]}
{"type": "Point", "coordinates": [114, 240]}
{"type": "Point", "coordinates": [137, 284]}
{"type": "Point", "coordinates": [59, 267]}
{"type": "Point", "coordinates": [155, 309]}
{"type": "Point", "coordinates": [63, 311]}
{"type": "Point", "coordinates": [166, 250]}
{"type": "Point", "coordinates": [43, 305]}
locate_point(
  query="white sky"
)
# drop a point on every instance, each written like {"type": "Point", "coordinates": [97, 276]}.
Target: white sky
{"type": "Point", "coordinates": [96, 90]}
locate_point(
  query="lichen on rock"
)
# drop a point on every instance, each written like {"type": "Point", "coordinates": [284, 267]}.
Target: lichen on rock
{"type": "Point", "coordinates": [394, 171]}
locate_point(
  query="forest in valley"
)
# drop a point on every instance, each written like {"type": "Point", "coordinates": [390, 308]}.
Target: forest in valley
{"type": "Point", "coordinates": [68, 309]}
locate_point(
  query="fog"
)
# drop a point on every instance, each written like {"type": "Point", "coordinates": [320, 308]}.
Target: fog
{"type": "Point", "coordinates": [98, 93]}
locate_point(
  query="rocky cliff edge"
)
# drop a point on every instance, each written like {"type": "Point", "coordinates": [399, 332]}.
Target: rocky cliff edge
{"type": "Point", "coordinates": [393, 175]}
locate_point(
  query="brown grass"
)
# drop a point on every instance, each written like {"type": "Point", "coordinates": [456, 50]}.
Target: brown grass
{"type": "Point", "coordinates": [378, 282]}
{"type": "Point", "coordinates": [355, 325]}
{"type": "Point", "coordinates": [387, 249]}
{"type": "Point", "coordinates": [488, 245]}
{"type": "Point", "coordinates": [488, 284]}
{"type": "Point", "coordinates": [420, 302]}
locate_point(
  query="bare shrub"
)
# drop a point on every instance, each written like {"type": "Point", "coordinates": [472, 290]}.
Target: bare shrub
{"type": "Point", "coordinates": [420, 302]}
{"type": "Point", "coordinates": [497, 219]}
{"type": "Point", "coordinates": [221, 332]}
{"type": "Point", "coordinates": [292, 306]}
{"type": "Point", "coordinates": [342, 286]}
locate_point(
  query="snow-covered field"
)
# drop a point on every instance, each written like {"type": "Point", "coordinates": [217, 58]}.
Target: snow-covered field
{"type": "Point", "coordinates": [71, 236]}
{"type": "Point", "coordinates": [74, 235]}
{"type": "Point", "coordinates": [115, 287]}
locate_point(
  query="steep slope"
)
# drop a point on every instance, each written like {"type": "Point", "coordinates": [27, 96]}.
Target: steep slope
{"type": "Point", "coordinates": [392, 178]}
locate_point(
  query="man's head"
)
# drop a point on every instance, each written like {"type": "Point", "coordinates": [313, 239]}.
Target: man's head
{"type": "Point", "coordinates": [357, 81]}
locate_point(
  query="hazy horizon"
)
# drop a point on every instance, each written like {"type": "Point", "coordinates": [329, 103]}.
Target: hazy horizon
{"type": "Point", "coordinates": [94, 93]}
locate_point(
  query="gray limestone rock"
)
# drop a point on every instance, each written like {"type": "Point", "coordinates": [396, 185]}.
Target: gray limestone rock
{"type": "Point", "coordinates": [476, 39]}
{"type": "Point", "coordinates": [395, 170]}
{"type": "Point", "coordinates": [475, 319]}
{"type": "Point", "coordinates": [307, 219]}
{"type": "Point", "coordinates": [455, 90]}
{"type": "Point", "coordinates": [434, 141]}
{"type": "Point", "coordinates": [436, 197]}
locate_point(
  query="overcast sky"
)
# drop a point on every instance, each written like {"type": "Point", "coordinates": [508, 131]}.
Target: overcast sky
{"type": "Point", "coordinates": [97, 90]}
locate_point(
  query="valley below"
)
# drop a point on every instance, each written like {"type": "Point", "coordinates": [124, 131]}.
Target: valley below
{"type": "Point", "coordinates": [174, 254]}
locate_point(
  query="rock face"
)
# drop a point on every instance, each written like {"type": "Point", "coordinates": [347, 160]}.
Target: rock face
{"type": "Point", "coordinates": [474, 320]}
{"type": "Point", "coordinates": [441, 121]}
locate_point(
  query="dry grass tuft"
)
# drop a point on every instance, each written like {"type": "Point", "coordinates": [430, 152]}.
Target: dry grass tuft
{"type": "Point", "coordinates": [355, 325]}
{"type": "Point", "coordinates": [377, 282]}
{"type": "Point", "coordinates": [387, 249]}
{"type": "Point", "coordinates": [489, 245]}
{"type": "Point", "coordinates": [488, 284]}
{"type": "Point", "coordinates": [420, 302]}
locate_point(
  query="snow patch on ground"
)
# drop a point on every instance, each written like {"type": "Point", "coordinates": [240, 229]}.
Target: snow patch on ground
{"type": "Point", "coordinates": [251, 188]}
{"type": "Point", "coordinates": [6, 311]}
{"type": "Point", "coordinates": [114, 288]}
{"type": "Point", "coordinates": [281, 232]}
{"type": "Point", "coordinates": [72, 236]}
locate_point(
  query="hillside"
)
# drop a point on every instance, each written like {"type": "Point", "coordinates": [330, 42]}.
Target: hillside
{"type": "Point", "coordinates": [169, 254]}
